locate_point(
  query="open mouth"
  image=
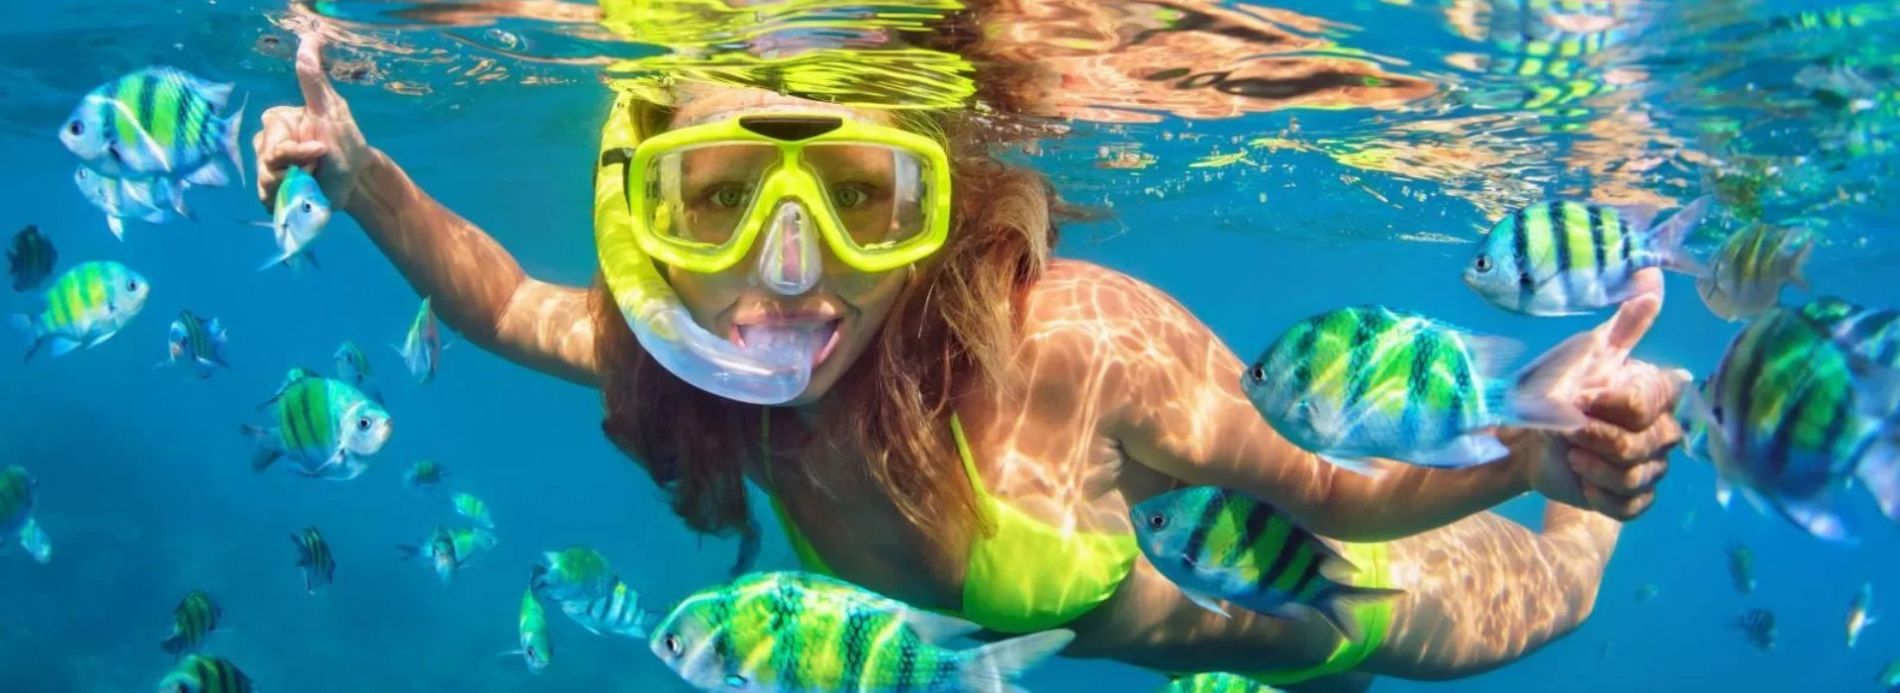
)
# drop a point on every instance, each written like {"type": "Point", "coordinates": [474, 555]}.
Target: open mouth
{"type": "Point", "coordinates": [813, 335]}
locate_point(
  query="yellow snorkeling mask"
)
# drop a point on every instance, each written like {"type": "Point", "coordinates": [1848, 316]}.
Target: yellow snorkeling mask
{"type": "Point", "coordinates": [699, 198]}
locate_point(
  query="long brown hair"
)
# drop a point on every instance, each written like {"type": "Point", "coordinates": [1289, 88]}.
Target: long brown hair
{"type": "Point", "coordinates": [952, 329]}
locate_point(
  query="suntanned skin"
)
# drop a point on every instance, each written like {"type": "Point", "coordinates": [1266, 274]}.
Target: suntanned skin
{"type": "Point", "coordinates": [1116, 393]}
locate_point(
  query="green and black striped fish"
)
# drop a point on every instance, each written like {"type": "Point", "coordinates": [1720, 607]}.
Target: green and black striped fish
{"type": "Point", "coordinates": [618, 612]}
{"type": "Point", "coordinates": [196, 342]}
{"type": "Point", "coordinates": [203, 673]}
{"type": "Point", "coordinates": [1217, 682]}
{"type": "Point", "coordinates": [532, 623]}
{"type": "Point", "coordinates": [1565, 258]}
{"type": "Point", "coordinates": [157, 121]}
{"type": "Point", "coordinates": [85, 306]}
{"type": "Point", "coordinates": [576, 573]}
{"type": "Point", "coordinates": [1219, 544]}
{"type": "Point", "coordinates": [313, 555]}
{"type": "Point", "coordinates": [30, 259]}
{"type": "Point", "coordinates": [424, 475]}
{"type": "Point", "coordinates": [16, 498]}
{"type": "Point", "coordinates": [1746, 274]}
{"type": "Point", "coordinates": [798, 632]}
{"type": "Point", "coordinates": [326, 426]}
{"type": "Point", "coordinates": [192, 621]}
{"type": "Point", "coordinates": [1368, 382]}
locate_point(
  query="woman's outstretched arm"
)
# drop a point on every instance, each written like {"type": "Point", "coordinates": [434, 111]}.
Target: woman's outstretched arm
{"type": "Point", "coordinates": [1164, 387]}
{"type": "Point", "coordinates": [477, 287]}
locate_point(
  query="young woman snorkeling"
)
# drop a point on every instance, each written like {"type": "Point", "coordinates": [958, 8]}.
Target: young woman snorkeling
{"type": "Point", "coordinates": [857, 310]}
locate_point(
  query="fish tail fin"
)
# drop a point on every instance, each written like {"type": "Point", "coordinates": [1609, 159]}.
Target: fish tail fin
{"type": "Point", "coordinates": [1798, 271]}
{"type": "Point", "coordinates": [1671, 235]}
{"type": "Point", "coordinates": [177, 194]}
{"type": "Point", "coordinates": [992, 668]}
{"type": "Point", "coordinates": [35, 336]}
{"type": "Point", "coordinates": [174, 645]}
{"type": "Point", "coordinates": [1879, 470]}
{"type": "Point", "coordinates": [1341, 607]}
{"type": "Point", "coordinates": [233, 126]}
{"type": "Point", "coordinates": [1538, 395]}
{"type": "Point", "coordinates": [267, 448]}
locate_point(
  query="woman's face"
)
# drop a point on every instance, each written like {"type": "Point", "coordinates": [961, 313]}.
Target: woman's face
{"type": "Point", "coordinates": [848, 304]}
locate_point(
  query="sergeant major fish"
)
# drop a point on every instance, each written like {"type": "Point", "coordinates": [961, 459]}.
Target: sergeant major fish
{"type": "Point", "coordinates": [467, 505]}
{"type": "Point", "coordinates": [844, 639]}
{"type": "Point", "coordinates": [157, 121]}
{"type": "Point", "coordinates": [298, 215]}
{"type": "Point", "coordinates": [138, 199]}
{"type": "Point", "coordinates": [1565, 258]}
{"type": "Point", "coordinates": [203, 673]}
{"type": "Point", "coordinates": [325, 426]}
{"type": "Point", "coordinates": [422, 347]}
{"type": "Point", "coordinates": [86, 306]}
{"type": "Point", "coordinates": [1857, 617]}
{"type": "Point", "coordinates": [424, 475]}
{"type": "Point", "coordinates": [1757, 626]}
{"type": "Point", "coordinates": [352, 366]}
{"type": "Point", "coordinates": [17, 490]}
{"type": "Point", "coordinates": [30, 258]}
{"type": "Point", "coordinates": [192, 621]}
{"type": "Point", "coordinates": [576, 573]}
{"type": "Point", "coordinates": [1741, 568]}
{"type": "Point", "coordinates": [533, 626]}
{"type": "Point", "coordinates": [1746, 274]}
{"type": "Point", "coordinates": [314, 558]}
{"type": "Point", "coordinates": [1219, 544]}
{"type": "Point", "coordinates": [1367, 382]}
{"type": "Point", "coordinates": [1217, 682]}
{"type": "Point", "coordinates": [196, 342]}
{"type": "Point", "coordinates": [619, 611]}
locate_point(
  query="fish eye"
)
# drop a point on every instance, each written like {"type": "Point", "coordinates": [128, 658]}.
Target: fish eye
{"type": "Point", "coordinates": [307, 207]}
{"type": "Point", "coordinates": [362, 424]}
{"type": "Point", "coordinates": [672, 644]}
{"type": "Point", "coordinates": [1717, 413]}
{"type": "Point", "coordinates": [1157, 521]}
{"type": "Point", "coordinates": [76, 127]}
{"type": "Point", "coordinates": [1258, 373]}
{"type": "Point", "coordinates": [131, 285]}
{"type": "Point", "coordinates": [1484, 264]}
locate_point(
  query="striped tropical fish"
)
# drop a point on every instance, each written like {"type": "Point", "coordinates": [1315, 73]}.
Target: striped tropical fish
{"type": "Point", "coordinates": [1757, 626]}
{"type": "Point", "coordinates": [151, 200]}
{"type": "Point", "coordinates": [298, 216]}
{"type": "Point", "coordinates": [192, 621]}
{"type": "Point", "coordinates": [352, 366]}
{"type": "Point", "coordinates": [533, 625]}
{"type": "Point", "coordinates": [1793, 418]}
{"type": "Point", "coordinates": [1857, 617]}
{"type": "Point", "coordinates": [33, 538]}
{"type": "Point", "coordinates": [1217, 682]}
{"type": "Point", "coordinates": [157, 122]}
{"type": "Point", "coordinates": [797, 632]}
{"type": "Point", "coordinates": [314, 557]}
{"type": "Point", "coordinates": [1565, 258]}
{"type": "Point", "coordinates": [576, 573]}
{"type": "Point", "coordinates": [473, 508]}
{"type": "Point", "coordinates": [424, 475]}
{"type": "Point", "coordinates": [323, 425]}
{"type": "Point", "coordinates": [203, 673]}
{"type": "Point", "coordinates": [1354, 384]}
{"type": "Point", "coordinates": [422, 347]}
{"type": "Point", "coordinates": [619, 611]}
{"type": "Point", "coordinates": [86, 306]}
{"type": "Point", "coordinates": [196, 342]}
{"type": "Point", "coordinates": [16, 498]}
{"type": "Point", "coordinates": [30, 259]}
{"type": "Point", "coordinates": [439, 549]}
{"type": "Point", "coordinates": [1746, 274]}
{"type": "Point", "coordinates": [1219, 544]}
{"type": "Point", "coordinates": [1866, 333]}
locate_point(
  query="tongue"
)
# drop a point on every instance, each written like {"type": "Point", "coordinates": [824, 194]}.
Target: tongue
{"type": "Point", "coordinates": [791, 342]}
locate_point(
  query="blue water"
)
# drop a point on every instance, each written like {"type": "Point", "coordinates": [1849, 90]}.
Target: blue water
{"type": "Point", "coordinates": [145, 490]}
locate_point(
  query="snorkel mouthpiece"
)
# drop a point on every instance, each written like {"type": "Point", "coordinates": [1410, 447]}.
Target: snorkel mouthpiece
{"type": "Point", "coordinates": [790, 264]}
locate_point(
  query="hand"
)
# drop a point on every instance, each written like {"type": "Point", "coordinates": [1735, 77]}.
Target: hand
{"type": "Point", "coordinates": [321, 136]}
{"type": "Point", "coordinates": [1611, 464]}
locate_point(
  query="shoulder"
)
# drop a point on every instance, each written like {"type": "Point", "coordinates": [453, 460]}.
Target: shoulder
{"type": "Point", "coordinates": [1080, 297]}
{"type": "Point", "coordinates": [1084, 323]}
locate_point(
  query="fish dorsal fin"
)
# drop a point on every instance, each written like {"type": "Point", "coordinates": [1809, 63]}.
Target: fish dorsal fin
{"type": "Point", "coordinates": [936, 628]}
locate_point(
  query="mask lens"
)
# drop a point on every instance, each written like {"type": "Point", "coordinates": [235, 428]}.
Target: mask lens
{"type": "Point", "coordinates": [876, 193]}
{"type": "Point", "coordinates": [699, 195]}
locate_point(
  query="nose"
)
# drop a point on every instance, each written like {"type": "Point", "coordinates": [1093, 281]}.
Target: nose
{"type": "Point", "coordinates": [790, 263]}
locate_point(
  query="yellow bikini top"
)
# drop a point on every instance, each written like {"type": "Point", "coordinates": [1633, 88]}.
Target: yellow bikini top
{"type": "Point", "coordinates": [1026, 576]}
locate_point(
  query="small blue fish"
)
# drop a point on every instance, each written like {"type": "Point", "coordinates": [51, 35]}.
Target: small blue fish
{"type": "Point", "coordinates": [1757, 627]}
{"type": "Point", "coordinates": [314, 557]}
{"type": "Point", "coordinates": [141, 199]}
{"type": "Point", "coordinates": [30, 259]}
{"type": "Point", "coordinates": [157, 122]}
{"type": "Point", "coordinates": [297, 218]}
{"type": "Point", "coordinates": [16, 512]}
{"type": "Point", "coordinates": [471, 507]}
{"type": "Point", "coordinates": [85, 307]}
{"type": "Point", "coordinates": [33, 538]}
{"type": "Point", "coordinates": [619, 611]}
{"type": "Point", "coordinates": [196, 342]}
{"type": "Point", "coordinates": [422, 348]}
{"type": "Point", "coordinates": [1565, 258]}
{"type": "Point", "coordinates": [532, 623]}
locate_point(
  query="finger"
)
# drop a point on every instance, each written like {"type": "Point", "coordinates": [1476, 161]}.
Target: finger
{"type": "Point", "coordinates": [1618, 507]}
{"type": "Point", "coordinates": [1633, 319]}
{"type": "Point", "coordinates": [318, 94]}
{"type": "Point", "coordinates": [1619, 479]}
{"type": "Point", "coordinates": [1643, 395]}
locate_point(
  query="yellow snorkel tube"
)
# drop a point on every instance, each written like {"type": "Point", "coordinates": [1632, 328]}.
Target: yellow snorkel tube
{"type": "Point", "coordinates": [653, 310]}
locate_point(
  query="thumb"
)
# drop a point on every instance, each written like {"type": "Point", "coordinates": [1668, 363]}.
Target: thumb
{"type": "Point", "coordinates": [319, 96]}
{"type": "Point", "coordinates": [1633, 320]}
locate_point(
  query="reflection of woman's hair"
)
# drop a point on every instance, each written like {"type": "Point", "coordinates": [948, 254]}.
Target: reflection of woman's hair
{"type": "Point", "coordinates": [951, 328]}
